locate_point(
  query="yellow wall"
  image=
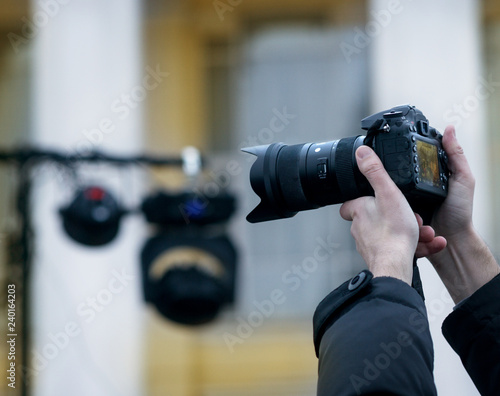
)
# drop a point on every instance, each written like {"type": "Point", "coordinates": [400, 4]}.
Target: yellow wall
{"type": "Point", "coordinates": [14, 123]}
{"type": "Point", "coordinates": [277, 356]}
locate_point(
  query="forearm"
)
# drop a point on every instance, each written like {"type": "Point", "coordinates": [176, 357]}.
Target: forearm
{"type": "Point", "coordinates": [465, 265]}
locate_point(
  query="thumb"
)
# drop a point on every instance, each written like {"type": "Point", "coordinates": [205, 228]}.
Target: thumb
{"type": "Point", "coordinates": [372, 168]}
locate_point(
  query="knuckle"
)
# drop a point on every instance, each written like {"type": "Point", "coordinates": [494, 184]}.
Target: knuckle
{"type": "Point", "coordinates": [458, 150]}
{"type": "Point", "coordinates": [372, 168]}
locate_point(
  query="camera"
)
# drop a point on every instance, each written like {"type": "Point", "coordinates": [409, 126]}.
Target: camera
{"type": "Point", "coordinates": [293, 178]}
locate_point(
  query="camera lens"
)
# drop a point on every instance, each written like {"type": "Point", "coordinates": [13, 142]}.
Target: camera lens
{"type": "Point", "coordinates": [289, 179]}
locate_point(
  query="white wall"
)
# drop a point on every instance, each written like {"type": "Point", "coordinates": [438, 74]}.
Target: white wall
{"type": "Point", "coordinates": [492, 65]}
{"type": "Point", "coordinates": [428, 53]}
{"type": "Point", "coordinates": [86, 56]}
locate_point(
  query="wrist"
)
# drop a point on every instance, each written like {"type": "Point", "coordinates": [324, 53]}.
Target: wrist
{"type": "Point", "coordinates": [465, 265]}
{"type": "Point", "coordinates": [456, 239]}
{"type": "Point", "coordinates": [393, 264]}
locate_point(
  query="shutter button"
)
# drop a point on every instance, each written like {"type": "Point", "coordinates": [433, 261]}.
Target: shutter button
{"type": "Point", "coordinates": [356, 281]}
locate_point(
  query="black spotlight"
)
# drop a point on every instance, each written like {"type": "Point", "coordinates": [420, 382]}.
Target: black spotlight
{"type": "Point", "coordinates": [189, 268]}
{"type": "Point", "coordinates": [93, 216]}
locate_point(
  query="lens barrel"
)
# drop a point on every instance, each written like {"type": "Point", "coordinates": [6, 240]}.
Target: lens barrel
{"type": "Point", "coordinates": [289, 179]}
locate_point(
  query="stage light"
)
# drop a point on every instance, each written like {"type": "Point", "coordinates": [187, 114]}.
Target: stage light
{"type": "Point", "coordinates": [186, 208]}
{"type": "Point", "coordinates": [189, 267]}
{"type": "Point", "coordinates": [93, 216]}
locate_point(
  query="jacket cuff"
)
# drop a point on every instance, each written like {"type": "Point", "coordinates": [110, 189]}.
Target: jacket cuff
{"type": "Point", "coordinates": [361, 287]}
{"type": "Point", "coordinates": [472, 315]}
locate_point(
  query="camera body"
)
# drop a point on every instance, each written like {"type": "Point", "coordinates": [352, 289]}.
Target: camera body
{"type": "Point", "coordinates": [300, 177]}
{"type": "Point", "coordinates": [411, 151]}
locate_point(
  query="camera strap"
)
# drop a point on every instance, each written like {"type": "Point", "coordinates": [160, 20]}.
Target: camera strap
{"type": "Point", "coordinates": [416, 281]}
{"type": "Point", "coordinates": [376, 128]}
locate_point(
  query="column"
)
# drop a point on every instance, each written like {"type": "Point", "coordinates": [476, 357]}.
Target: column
{"type": "Point", "coordinates": [428, 53]}
{"type": "Point", "coordinates": [89, 85]}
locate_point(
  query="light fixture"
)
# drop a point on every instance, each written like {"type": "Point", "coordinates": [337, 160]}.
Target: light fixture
{"type": "Point", "coordinates": [93, 216]}
{"type": "Point", "coordinates": [189, 267]}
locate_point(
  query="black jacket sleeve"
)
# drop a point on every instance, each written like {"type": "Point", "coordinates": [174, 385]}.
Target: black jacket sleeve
{"type": "Point", "coordinates": [372, 337]}
{"type": "Point", "coordinates": [473, 331]}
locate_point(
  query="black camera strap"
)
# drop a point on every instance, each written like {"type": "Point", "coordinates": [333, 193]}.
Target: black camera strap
{"type": "Point", "coordinates": [376, 128]}
{"type": "Point", "coordinates": [416, 281]}
{"type": "Point", "coordinates": [426, 212]}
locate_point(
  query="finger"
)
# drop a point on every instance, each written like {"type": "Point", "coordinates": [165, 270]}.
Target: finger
{"type": "Point", "coordinates": [426, 234]}
{"type": "Point", "coordinates": [372, 168]}
{"type": "Point", "coordinates": [420, 221]}
{"type": "Point", "coordinates": [350, 209]}
{"type": "Point", "coordinates": [457, 162]}
{"type": "Point", "coordinates": [347, 210]}
{"type": "Point", "coordinates": [429, 248]}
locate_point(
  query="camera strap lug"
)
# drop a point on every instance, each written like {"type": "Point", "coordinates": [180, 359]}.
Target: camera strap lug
{"type": "Point", "coordinates": [379, 126]}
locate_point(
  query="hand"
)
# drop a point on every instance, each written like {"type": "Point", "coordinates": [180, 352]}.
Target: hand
{"type": "Point", "coordinates": [466, 264]}
{"type": "Point", "coordinates": [454, 218]}
{"type": "Point", "coordinates": [428, 242]}
{"type": "Point", "coordinates": [384, 226]}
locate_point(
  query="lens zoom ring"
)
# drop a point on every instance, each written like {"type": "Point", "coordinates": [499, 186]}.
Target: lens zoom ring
{"type": "Point", "coordinates": [344, 168]}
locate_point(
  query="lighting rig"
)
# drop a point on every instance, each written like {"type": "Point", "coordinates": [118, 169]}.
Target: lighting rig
{"type": "Point", "coordinates": [188, 265]}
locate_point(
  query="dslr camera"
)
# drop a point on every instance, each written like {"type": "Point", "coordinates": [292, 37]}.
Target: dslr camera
{"type": "Point", "coordinates": [292, 178]}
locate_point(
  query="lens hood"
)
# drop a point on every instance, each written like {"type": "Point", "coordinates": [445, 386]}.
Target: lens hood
{"type": "Point", "coordinates": [262, 179]}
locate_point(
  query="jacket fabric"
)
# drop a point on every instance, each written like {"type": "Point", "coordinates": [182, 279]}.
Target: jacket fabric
{"type": "Point", "coordinates": [372, 337]}
{"type": "Point", "coordinates": [473, 331]}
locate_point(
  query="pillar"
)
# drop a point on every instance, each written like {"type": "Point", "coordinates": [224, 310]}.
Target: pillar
{"type": "Point", "coordinates": [428, 53]}
{"type": "Point", "coordinates": [89, 86]}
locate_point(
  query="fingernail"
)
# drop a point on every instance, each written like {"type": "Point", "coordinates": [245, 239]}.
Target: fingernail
{"type": "Point", "coordinates": [363, 152]}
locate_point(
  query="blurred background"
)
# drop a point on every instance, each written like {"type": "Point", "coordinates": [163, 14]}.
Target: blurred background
{"type": "Point", "coordinates": [127, 77]}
